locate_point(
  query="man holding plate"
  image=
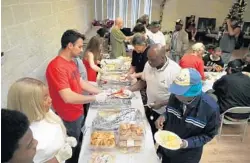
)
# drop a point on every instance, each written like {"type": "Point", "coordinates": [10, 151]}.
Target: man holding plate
{"type": "Point", "coordinates": [190, 114]}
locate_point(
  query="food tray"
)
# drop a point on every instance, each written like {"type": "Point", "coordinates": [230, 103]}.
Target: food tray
{"type": "Point", "coordinates": [114, 118]}
{"type": "Point", "coordinates": [102, 140]}
{"type": "Point", "coordinates": [102, 157]}
{"type": "Point", "coordinates": [121, 64]}
{"type": "Point", "coordinates": [131, 137]}
{"type": "Point", "coordinates": [117, 78]}
{"type": "Point", "coordinates": [112, 102]}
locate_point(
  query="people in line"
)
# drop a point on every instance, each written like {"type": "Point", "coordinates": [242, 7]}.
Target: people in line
{"type": "Point", "coordinates": [66, 85]}
{"type": "Point", "coordinates": [144, 20]}
{"type": "Point", "coordinates": [157, 35]}
{"type": "Point", "coordinates": [139, 59]}
{"type": "Point", "coordinates": [140, 28]}
{"type": "Point", "coordinates": [117, 39]}
{"type": "Point", "coordinates": [31, 97]}
{"type": "Point", "coordinates": [232, 90]}
{"type": "Point", "coordinates": [179, 42]}
{"type": "Point", "coordinates": [213, 62]}
{"type": "Point", "coordinates": [159, 72]}
{"type": "Point", "coordinates": [194, 59]}
{"type": "Point", "coordinates": [191, 114]}
{"type": "Point", "coordinates": [17, 142]}
{"type": "Point", "coordinates": [92, 57]}
{"type": "Point", "coordinates": [229, 39]}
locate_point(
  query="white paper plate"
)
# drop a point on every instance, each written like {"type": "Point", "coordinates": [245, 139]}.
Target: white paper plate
{"type": "Point", "coordinates": [159, 139]}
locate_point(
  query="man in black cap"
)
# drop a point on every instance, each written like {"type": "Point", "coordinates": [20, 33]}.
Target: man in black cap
{"type": "Point", "coordinates": [232, 90]}
{"type": "Point", "coordinates": [179, 42]}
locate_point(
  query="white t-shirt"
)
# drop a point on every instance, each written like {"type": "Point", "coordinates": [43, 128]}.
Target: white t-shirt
{"type": "Point", "coordinates": [159, 80]}
{"type": "Point", "coordinates": [50, 139]}
{"type": "Point", "coordinates": [158, 38]}
{"type": "Point", "coordinates": [149, 33]}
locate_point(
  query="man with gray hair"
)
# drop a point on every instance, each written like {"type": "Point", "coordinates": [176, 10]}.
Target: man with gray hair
{"type": "Point", "coordinates": [139, 59]}
{"type": "Point", "coordinates": [159, 72]}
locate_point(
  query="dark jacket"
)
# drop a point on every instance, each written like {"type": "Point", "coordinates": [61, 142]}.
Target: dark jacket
{"type": "Point", "coordinates": [198, 125]}
{"type": "Point", "coordinates": [232, 91]}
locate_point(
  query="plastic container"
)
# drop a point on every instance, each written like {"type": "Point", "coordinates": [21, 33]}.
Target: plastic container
{"type": "Point", "coordinates": [131, 137]}
{"type": "Point", "coordinates": [102, 157]}
{"type": "Point", "coordinates": [102, 140]}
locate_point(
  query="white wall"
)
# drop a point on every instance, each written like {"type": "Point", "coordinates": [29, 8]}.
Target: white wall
{"type": "Point", "coordinates": [31, 32]}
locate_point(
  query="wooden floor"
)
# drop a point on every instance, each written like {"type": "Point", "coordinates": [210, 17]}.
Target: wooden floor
{"type": "Point", "coordinates": [228, 149]}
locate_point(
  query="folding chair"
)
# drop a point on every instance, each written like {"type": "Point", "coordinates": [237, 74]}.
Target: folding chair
{"type": "Point", "coordinates": [244, 122]}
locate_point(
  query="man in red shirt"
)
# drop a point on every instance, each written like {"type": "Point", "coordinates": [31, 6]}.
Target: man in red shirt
{"type": "Point", "coordinates": [194, 59]}
{"type": "Point", "coordinates": [66, 85]}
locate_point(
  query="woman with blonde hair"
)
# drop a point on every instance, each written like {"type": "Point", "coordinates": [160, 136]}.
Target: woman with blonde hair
{"type": "Point", "coordinates": [31, 97]}
{"type": "Point", "coordinates": [92, 57]}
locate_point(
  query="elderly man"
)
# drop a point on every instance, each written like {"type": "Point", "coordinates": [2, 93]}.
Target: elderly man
{"type": "Point", "coordinates": [139, 59]}
{"type": "Point", "coordinates": [159, 72]}
{"type": "Point", "coordinates": [192, 115]}
{"type": "Point", "coordinates": [194, 59]}
{"type": "Point", "coordinates": [179, 42]}
{"type": "Point", "coordinates": [18, 144]}
{"type": "Point", "coordinates": [117, 39]}
{"type": "Point", "coordinates": [233, 89]}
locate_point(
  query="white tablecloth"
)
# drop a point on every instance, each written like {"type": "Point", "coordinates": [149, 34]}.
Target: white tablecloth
{"type": "Point", "coordinates": [213, 76]}
{"type": "Point", "coordinates": [148, 153]}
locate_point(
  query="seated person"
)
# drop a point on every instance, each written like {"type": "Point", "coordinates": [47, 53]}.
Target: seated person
{"type": "Point", "coordinates": [157, 35]}
{"type": "Point", "coordinates": [31, 97]}
{"type": "Point", "coordinates": [232, 90]}
{"type": "Point", "coordinates": [140, 28]}
{"type": "Point", "coordinates": [246, 59]}
{"type": "Point", "coordinates": [194, 59]}
{"type": "Point", "coordinates": [18, 144]}
{"type": "Point", "coordinates": [92, 57]}
{"type": "Point", "coordinates": [213, 62]}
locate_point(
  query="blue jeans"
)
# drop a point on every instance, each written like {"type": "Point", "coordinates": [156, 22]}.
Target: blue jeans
{"type": "Point", "coordinates": [175, 57]}
{"type": "Point", "coordinates": [74, 128]}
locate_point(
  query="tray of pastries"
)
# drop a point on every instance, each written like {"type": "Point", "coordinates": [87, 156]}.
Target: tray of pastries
{"type": "Point", "coordinates": [102, 139]}
{"type": "Point", "coordinates": [131, 137]}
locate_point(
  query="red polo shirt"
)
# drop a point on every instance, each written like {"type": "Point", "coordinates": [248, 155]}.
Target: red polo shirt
{"type": "Point", "coordinates": [63, 74]}
{"type": "Point", "coordinates": [192, 61]}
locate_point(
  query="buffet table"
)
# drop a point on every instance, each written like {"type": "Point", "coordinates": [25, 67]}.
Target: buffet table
{"type": "Point", "coordinates": [148, 153]}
